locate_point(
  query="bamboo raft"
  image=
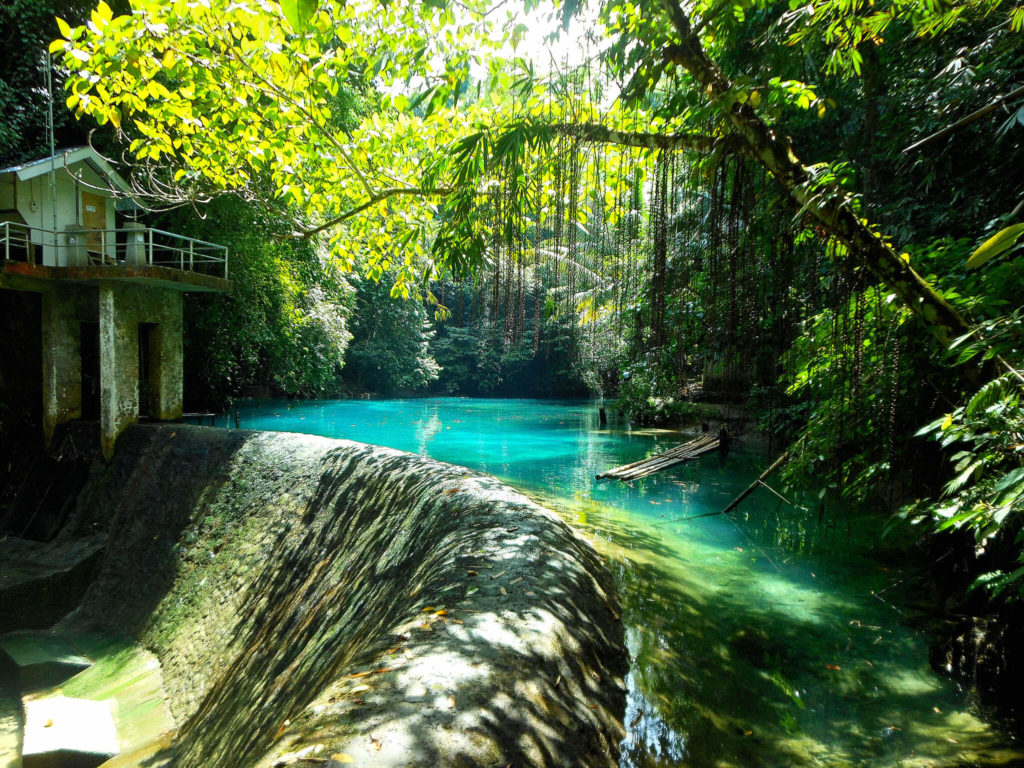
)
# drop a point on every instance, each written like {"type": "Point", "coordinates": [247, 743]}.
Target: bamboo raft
{"type": "Point", "coordinates": [681, 453]}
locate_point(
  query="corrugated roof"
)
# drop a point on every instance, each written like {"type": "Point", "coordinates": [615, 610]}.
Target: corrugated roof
{"type": "Point", "coordinates": [69, 157]}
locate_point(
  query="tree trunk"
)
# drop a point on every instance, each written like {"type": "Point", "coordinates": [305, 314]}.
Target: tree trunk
{"type": "Point", "coordinates": [832, 211]}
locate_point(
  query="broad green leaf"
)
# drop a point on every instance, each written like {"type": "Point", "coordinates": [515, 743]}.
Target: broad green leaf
{"type": "Point", "coordinates": [999, 243]}
{"type": "Point", "coordinates": [299, 13]}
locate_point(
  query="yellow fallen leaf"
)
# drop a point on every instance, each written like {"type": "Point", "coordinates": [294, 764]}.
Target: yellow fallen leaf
{"type": "Point", "coordinates": [342, 757]}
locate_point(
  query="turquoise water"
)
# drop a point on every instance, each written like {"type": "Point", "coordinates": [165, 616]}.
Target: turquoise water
{"type": "Point", "coordinates": [755, 639]}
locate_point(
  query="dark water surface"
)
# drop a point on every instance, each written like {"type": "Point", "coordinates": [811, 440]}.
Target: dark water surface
{"type": "Point", "coordinates": [755, 640]}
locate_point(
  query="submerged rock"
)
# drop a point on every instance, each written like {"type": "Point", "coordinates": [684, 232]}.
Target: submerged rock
{"type": "Point", "coordinates": [322, 598]}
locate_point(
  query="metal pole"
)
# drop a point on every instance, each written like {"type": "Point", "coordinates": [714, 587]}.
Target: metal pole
{"type": "Point", "coordinates": [53, 152]}
{"type": "Point", "coordinates": [191, 247]}
{"type": "Point", "coordinates": [149, 257]}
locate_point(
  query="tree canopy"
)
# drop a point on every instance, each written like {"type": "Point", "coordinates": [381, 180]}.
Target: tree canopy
{"type": "Point", "coordinates": [235, 96]}
{"type": "Point", "coordinates": [723, 189]}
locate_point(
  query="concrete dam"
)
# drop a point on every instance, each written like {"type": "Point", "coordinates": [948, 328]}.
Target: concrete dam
{"type": "Point", "coordinates": [233, 598]}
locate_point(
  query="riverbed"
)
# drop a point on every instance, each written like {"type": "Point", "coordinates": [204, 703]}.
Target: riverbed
{"type": "Point", "coordinates": [763, 638]}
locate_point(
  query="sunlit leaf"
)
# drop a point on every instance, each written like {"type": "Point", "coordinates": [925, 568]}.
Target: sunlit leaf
{"type": "Point", "coordinates": [999, 243]}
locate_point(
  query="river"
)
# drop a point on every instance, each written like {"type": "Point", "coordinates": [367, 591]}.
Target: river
{"type": "Point", "coordinates": [757, 639]}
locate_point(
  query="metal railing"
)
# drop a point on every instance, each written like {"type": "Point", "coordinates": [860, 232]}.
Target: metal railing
{"type": "Point", "coordinates": [129, 246]}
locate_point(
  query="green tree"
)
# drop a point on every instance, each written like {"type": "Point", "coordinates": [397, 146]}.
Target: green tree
{"type": "Point", "coordinates": [26, 29]}
{"type": "Point", "coordinates": [390, 349]}
{"type": "Point", "coordinates": [285, 327]}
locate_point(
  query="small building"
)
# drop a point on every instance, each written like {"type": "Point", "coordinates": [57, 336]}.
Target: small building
{"type": "Point", "coordinates": [110, 288]}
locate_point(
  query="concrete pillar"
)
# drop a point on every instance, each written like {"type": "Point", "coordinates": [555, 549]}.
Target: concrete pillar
{"type": "Point", "coordinates": [62, 359]}
{"type": "Point", "coordinates": [166, 361]}
{"type": "Point", "coordinates": [75, 254]}
{"type": "Point", "coordinates": [119, 364]}
{"type": "Point", "coordinates": [135, 244]}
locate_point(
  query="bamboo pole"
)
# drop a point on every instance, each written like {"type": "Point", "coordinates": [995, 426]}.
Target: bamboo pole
{"type": "Point", "coordinates": [681, 453]}
{"type": "Point", "coordinates": [761, 478]}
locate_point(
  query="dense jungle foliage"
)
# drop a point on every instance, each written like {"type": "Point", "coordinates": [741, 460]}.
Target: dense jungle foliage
{"type": "Point", "coordinates": [723, 201]}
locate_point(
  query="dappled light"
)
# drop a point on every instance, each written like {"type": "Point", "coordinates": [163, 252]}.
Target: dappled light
{"type": "Point", "coordinates": [754, 638]}
{"type": "Point", "coordinates": [296, 565]}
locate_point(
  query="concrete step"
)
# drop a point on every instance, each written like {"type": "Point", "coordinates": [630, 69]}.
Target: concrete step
{"type": "Point", "coordinates": [40, 583]}
{"type": "Point", "coordinates": [88, 698]}
{"type": "Point", "coordinates": [68, 733]}
{"type": "Point", "coordinates": [41, 659]}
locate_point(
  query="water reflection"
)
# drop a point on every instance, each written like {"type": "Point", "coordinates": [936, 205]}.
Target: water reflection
{"type": "Point", "coordinates": [754, 638]}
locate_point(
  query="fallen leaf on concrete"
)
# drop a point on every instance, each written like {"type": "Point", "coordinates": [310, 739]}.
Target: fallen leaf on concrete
{"type": "Point", "coordinates": [503, 590]}
{"type": "Point", "coordinates": [457, 621]}
{"type": "Point", "coordinates": [304, 755]}
{"type": "Point", "coordinates": [499, 574]}
{"type": "Point", "coordinates": [342, 757]}
{"type": "Point", "coordinates": [637, 719]}
{"type": "Point", "coordinates": [450, 491]}
{"type": "Point", "coordinates": [471, 573]}
{"type": "Point", "coordinates": [516, 580]}
{"type": "Point", "coordinates": [442, 612]}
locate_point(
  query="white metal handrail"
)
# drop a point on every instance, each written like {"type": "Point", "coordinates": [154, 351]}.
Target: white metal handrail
{"type": "Point", "coordinates": [128, 246]}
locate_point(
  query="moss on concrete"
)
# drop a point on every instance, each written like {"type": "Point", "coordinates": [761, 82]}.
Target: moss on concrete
{"type": "Point", "coordinates": [312, 596]}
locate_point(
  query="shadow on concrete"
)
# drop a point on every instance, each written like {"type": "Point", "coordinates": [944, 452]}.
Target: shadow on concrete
{"type": "Point", "coordinates": [267, 569]}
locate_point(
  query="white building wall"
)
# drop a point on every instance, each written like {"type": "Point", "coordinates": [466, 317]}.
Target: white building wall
{"type": "Point", "coordinates": [35, 204]}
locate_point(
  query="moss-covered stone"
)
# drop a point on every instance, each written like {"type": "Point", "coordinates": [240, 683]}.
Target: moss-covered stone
{"type": "Point", "coordinates": [310, 595]}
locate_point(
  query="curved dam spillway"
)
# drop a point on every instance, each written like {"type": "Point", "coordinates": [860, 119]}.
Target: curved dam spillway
{"type": "Point", "coordinates": [315, 601]}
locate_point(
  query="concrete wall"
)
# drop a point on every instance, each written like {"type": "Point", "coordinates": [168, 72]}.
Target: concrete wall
{"type": "Point", "coordinates": [120, 309]}
{"type": "Point", "coordinates": [64, 309]}
{"type": "Point", "coordinates": [33, 201]}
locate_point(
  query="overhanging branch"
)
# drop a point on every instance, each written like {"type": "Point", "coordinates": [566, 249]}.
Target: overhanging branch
{"type": "Point", "coordinates": [372, 201]}
{"type": "Point", "coordinates": [598, 134]}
